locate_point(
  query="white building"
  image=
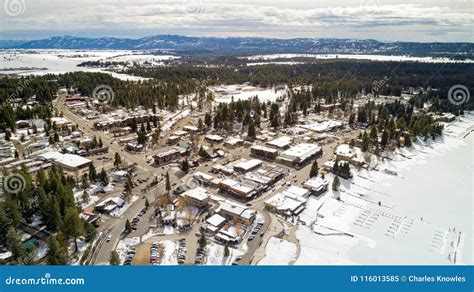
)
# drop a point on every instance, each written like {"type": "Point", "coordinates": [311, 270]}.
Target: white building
{"type": "Point", "coordinates": [299, 155]}
{"type": "Point", "coordinates": [316, 185]}
{"type": "Point", "coordinates": [247, 165]}
{"type": "Point", "coordinates": [282, 142]}
{"type": "Point", "coordinates": [289, 202]}
{"type": "Point", "coordinates": [198, 197]}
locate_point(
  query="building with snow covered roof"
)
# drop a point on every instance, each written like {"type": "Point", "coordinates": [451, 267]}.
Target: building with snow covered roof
{"type": "Point", "coordinates": [292, 201]}
{"type": "Point", "coordinates": [198, 197]}
{"type": "Point", "coordinates": [353, 155]}
{"type": "Point", "coordinates": [245, 166]}
{"type": "Point", "coordinates": [283, 142]}
{"type": "Point", "coordinates": [236, 212]}
{"type": "Point", "coordinates": [263, 152]}
{"type": "Point", "coordinates": [299, 155]}
{"type": "Point", "coordinates": [316, 185]}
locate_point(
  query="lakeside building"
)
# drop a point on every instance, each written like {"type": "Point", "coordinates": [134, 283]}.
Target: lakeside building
{"type": "Point", "coordinates": [316, 185]}
{"type": "Point", "coordinates": [299, 155]}
{"type": "Point", "coordinates": [345, 153]}
{"type": "Point", "coordinates": [292, 201]}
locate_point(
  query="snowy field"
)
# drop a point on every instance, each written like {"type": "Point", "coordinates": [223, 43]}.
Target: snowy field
{"type": "Point", "coordinates": [385, 58]}
{"type": "Point", "coordinates": [278, 252]}
{"type": "Point", "coordinates": [421, 215]}
{"type": "Point", "coordinates": [225, 93]}
{"type": "Point", "coordinates": [41, 62]}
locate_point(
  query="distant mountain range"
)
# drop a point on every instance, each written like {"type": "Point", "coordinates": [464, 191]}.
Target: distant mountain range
{"type": "Point", "coordinates": [241, 45]}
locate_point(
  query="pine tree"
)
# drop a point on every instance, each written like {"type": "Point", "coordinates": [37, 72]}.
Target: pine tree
{"type": "Point", "coordinates": [168, 183]}
{"type": "Point", "coordinates": [202, 240]}
{"type": "Point", "coordinates": [56, 254]}
{"type": "Point", "coordinates": [92, 172]}
{"type": "Point", "coordinates": [128, 227]}
{"type": "Point", "coordinates": [73, 226]}
{"type": "Point", "coordinates": [335, 183]}
{"type": "Point", "coordinates": [314, 169]}
{"type": "Point", "coordinates": [251, 130]}
{"type": "Point", "coordinates": [14, 243]}
{"type": "Point", "coordinates": [117, 160]}
{"type": "Point", "coordinates": [114, 258]}
{"type": "Point", "coordinates": [226, 251]}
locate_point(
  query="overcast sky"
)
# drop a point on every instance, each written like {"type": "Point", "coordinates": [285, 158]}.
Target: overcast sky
{"type": "Point", "coordinates": [404, 20]}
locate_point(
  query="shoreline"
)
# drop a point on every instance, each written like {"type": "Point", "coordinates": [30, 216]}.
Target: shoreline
{"type": "Point", "coordinates": [408, 219]}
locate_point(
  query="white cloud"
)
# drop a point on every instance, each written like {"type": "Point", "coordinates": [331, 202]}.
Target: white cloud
{"type": "Point", "coordinates": [450, 20]}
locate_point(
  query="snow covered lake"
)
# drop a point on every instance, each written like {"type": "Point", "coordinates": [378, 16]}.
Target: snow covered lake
{"type": "Point", "coordinates": [385, 58]}
{"type": "Point", "coordinates": [41, 62]}
{"type": "Point", "coordinates": [425, 212]}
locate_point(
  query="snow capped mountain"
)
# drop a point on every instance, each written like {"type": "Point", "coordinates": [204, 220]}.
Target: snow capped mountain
{"type": "Point", "coordinates": [250, 45]}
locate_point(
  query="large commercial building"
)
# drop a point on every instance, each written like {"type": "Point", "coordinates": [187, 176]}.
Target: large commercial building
{"type": "Point", "coordinates": [68, 162]}
{"type": "Point", "coordinates": [245, 166]}
{"type": "Point", "coordinates": [299, 155]}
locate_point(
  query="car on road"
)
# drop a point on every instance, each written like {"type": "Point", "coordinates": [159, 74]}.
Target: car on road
{"type": "Point", "coordinates": [109, 238]}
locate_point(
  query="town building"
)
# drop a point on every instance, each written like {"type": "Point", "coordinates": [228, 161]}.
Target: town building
{"type": "Point", "coordinates": [236, 212]}
{"type": "Point", "coordinates": [346, 153]}
{"type": "Point", "coordinates": [68, 162]}
{"type": "Point", "coordinates": [214, 223]}
{"type": "Point", "coordinates": [263, 152]}
{"type": "Point", "coordinates": [245, 166]}
{"type": "Point", "coordinates": [214, 138]}
{"type": "Point", "coordinates": [299, 155]}
{"type": "Point", "coordinates": [197, 197]}
{"type": "Point", "coordinates": [242, 190]}
{"type": "Point", "coordinates": [316, 185]}
{"type": "Point", "coordinates": [292, 201]}
{"type": "Point", "coordinates": [283, 142]}
{"type": "Point", "coordinates": [167, 156]}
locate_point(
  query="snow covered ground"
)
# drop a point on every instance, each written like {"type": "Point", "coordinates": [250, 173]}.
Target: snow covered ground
{"type": "Point", "coordinates": [424, 215]}
{"type": "Point", "coordinates": [215, 255]}
{"type": "Point", "coordinates": [278, 252]}
{"type": "Point", "coordinates": [225, 93]}
{"type": "Point", "coordinates": [41, 62]}
{"type": "Point", "coordinates": [356, 57]}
